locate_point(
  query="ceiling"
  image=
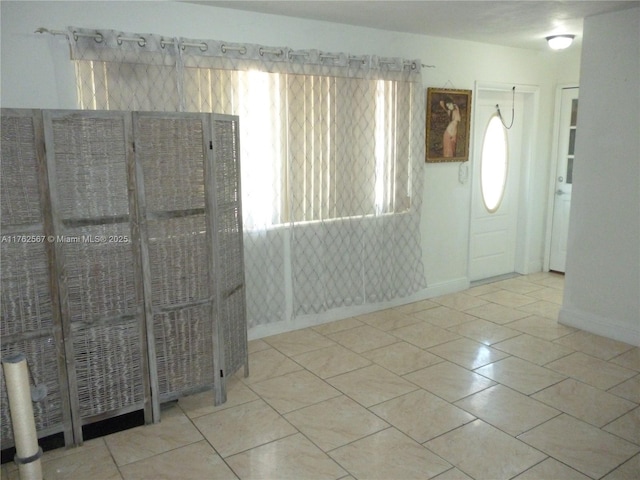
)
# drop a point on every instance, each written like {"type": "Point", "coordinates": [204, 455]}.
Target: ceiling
{"type": "Point", "coordinates": [522, 24]}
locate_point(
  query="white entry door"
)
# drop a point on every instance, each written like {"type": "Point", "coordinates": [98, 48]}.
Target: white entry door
{"type": "Point", "coordinates": [493, 234]}
{"type": "Point", "coordinates": [564, 178]}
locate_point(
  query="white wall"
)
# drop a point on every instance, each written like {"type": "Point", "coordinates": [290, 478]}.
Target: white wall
{"type": "Point", "coordinates": [602, 287]}
{"type": "Point", "coordinates": [35, 73]}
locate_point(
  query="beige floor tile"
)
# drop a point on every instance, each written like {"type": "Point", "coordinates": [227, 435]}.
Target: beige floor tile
{"type": "Point", "coordinates": [584, 402]}
{"type": "Point", "coordinates": [542, 308]}
{"type": "Point", "coordinates": [422, 415]}
{"type": "Point", "coordinates": [520, 375]}
{"type": "Point", "coordinates": [594, 345]}
{"type": "Point", "coordinates": [298, 341]}
{"type": "Point", "coordinates": [371, 385]}
{"type": "Point", "coordinates": [630, 359]}
{"type": "Point", "coordinates": [468, 353]}
{"type": "Point", "coordinates": [460, 301]}
{"type": "Point", "coordinates": [508, 299]}
{"type": "Point", "coordinates": [243, 427]}
{"type": "Point", "coordinates": [389, 454]}
{"type": "Point", "coordinates": [258, 345]}
{"type": "Point", "coordinates": [415, 307]}
{"type": "Point", "coordinates": [627, 471]}
{"type": "Point", "coordinates": [591, 370]}
{"type": "Point", "coordinates": [74, 464]}
{"type": "Point", "coordinates": [497, 313]}
{"type": "Point", "coordinates": [547, 279]}
{"type": "Point", "coordinates": [338, 326]}
{"type": "Point", "coordinates": [629, 389]}
{"type": "Point", "coordinates": [86, 448]}
{"type": "Point", "coordinates": [627, 427]}
{"type": "Point", "coordinates": [444, 317]}
{"type": "Point", "coordinates": [533, 349]}
{"type": "Point", "coordinates": [203, 404]}
{"type": "Point", "coordinates": [453, 474]}
{"type": "Point", "coordinates": [331, 361]}
{"type": "Point", "coordinates": [449, 381]}
{"type": "Point", "coordinates": [174, 430]}
{"type": "Point", "coordinates": [580, 445]}
{"type": "Point", "coordinates": [548, 294]}
{"type": "Point", "coordinates": [9, 471]}
{"type": "Point", "coordinates": [402, 358]}
{"type": "Point", "coordinates": [478, 290]}
{"type": "Point", "coordinates": [484, 452]}
{"type": "Point", "coordinates": [389, 319]}
{"type": "Point", "coordinates": [291, 458]}
{"type": "Point", "coordinates": [361, 339]}
{"type": "Point", "coordinates": [519, 285]}
{"type": "Point", "coordinates": [293, 391]}
{"type": "Point", "coordinates": [551, 469]}
{"type": "Point", "coordinates": [268, 364]}
{"type": "Point", "coordinates": [424, 335]}
{"type": "Point", "coordinates": [195, 461]}
{"type": "Point", "coordinates": [507, 409]}
{"type": "Point", "coordinates": [542, 327]}
{"type": "Point", "coordinates": [484, 331]}
{"type": "Point", "coordinates": [335, 422]}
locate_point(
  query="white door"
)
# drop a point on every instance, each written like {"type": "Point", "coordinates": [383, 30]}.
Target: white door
{"type": "Point", "coordinates": [564, 178]}
{"type": "Point", "coordinates": [493, 234]}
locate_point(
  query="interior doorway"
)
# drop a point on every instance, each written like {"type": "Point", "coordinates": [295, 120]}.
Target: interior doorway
{"type": "Point", "coordinates": [566, 121]}
{"type": "Point", "coordinates": [498, 242]}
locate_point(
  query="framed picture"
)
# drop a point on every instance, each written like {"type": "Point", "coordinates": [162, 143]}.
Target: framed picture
{"type": "Point", "coordinates": [448, 122]}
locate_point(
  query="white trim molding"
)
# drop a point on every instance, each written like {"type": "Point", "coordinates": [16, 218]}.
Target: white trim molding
{"type": "Point", "coordinates": [599, 325]}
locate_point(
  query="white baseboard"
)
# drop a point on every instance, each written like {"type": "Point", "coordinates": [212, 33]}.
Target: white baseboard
{"type": "Point", "coordinates": [333, 315]}
{"type": "Point", "coordinates": [602, 326]}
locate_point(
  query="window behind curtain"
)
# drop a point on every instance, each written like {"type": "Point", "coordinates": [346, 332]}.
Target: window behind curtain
{"type": "Point", "coordinates": [313, 147]}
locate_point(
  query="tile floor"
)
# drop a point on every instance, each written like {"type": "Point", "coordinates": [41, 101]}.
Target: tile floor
{"type": "Point", "coordinates": [482, 384]}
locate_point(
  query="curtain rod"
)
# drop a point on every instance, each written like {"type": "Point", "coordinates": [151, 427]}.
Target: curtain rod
{"type": "Point", "coordinates": [202, 46]}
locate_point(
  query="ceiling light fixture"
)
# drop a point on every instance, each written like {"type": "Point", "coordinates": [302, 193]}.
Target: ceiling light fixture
{"type": "Point", "coordinates": [560, 42]}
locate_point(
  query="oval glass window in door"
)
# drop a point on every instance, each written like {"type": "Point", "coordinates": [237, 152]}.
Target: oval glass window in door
{"type": "Point", "coordinates": [494, 164]}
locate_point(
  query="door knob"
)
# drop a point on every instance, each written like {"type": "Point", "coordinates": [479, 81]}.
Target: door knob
{"type": "Point", "coordinates": [560, 192]}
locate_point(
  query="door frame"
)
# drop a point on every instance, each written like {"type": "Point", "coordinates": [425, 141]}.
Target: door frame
{"type": "Point", "coordinates": [523, 262]}
{"type": "Point", "coordinates": [553, 167]}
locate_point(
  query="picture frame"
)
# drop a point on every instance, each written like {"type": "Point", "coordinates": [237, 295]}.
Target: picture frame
{"type": "Point", "coordinates": [448, 125]}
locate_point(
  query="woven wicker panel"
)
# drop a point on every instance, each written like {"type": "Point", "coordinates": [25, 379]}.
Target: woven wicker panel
{"type": "Point", "coordinates": [100, 275]}
{"type": "Point", "coordinates": [234, 331]}
{"type": "Point", "coordinates": [178, 260]}
{"type": "Point", "coordinates": [91, 172]}
{"type": "Point", "coordinates": [184, 352]}
{"type": "Point", "coordinates": [228, 225]}
{"type": "Point", "coordinates": [26, 295]}
{"type": "Point", "coordinates": [108, 367]}
{"type": "Point", "coordinates": [88, 155]}
{"type": "Point", "coordinates": [171, 152]}
{"type": "Point", "coordinates": [42, 358]}
{"type": "Point", "coordinates": [19, 188]}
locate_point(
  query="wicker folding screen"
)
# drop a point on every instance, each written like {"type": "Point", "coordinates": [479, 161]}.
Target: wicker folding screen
{"type": "Point", "coordinates": [231, 336]}
{"type": "Point", "coordinates": [30, 320]}
{"type": "Point", "coordinates": [191, 228]}
{"type": "Point", "coordinates": [93, 198]}
{"type": "Point", "coordinates": [134, 294]}
{"type": "Point", "coordinates": [172, 156]}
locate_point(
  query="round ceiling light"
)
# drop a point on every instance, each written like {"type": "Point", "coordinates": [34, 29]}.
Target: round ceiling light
{"type": "Point", "coordinates": [560, 42]}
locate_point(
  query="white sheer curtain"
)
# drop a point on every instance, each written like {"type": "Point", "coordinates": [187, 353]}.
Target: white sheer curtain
{"type": "Point", "coordinates": [331, 150]}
